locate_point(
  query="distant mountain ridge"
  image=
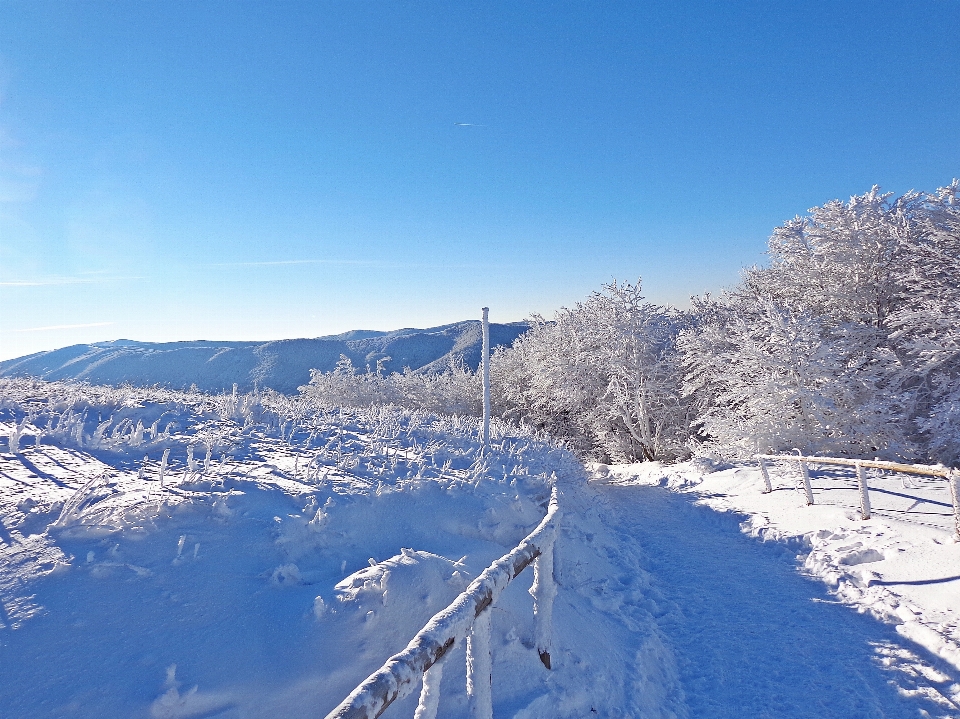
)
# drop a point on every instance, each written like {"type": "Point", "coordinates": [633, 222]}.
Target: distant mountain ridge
{"type": "Point", "coordinates": [282, 365]}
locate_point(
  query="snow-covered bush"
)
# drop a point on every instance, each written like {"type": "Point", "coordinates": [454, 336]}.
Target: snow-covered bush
{"type": "Point", "coordinates": [604, 375]}
{"type": "Point", "coordinates": [454, 391]}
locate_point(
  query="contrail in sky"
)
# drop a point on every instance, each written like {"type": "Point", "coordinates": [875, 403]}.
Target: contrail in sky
{"type": "Point", "coordinates": [64, 327]}
{"type": "Point", "coordinates": [377, 264]}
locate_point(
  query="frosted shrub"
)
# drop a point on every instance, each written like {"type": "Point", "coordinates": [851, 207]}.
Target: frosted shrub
{"type": "Point", "coordinates": [605, 376]}
{"type": "Point", "coordinates": [345, 387]}
{"type": "Point", "coordinates": [455, 391]}
{"type": "Point", "coordinates": [16, 432]}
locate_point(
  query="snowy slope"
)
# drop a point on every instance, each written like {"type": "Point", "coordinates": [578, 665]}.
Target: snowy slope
{"type": "Point", "coordinates": [271, 574]}
{"type": "Point", "coordinates": [283, 365]}
{"type": "Point", "coordinates": [271, 578]}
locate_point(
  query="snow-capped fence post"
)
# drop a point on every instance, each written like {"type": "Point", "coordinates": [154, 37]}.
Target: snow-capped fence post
{"type": "Point", "coordinates": [864, 496]}
{"type": "Point", "coordinates": [543, 590]}
{"type": "Point", "coordinates": [805, 475]}
{"type": "Point", "coordinates": [430, 693]}
{"type": "Point", "coordinates": [951, 475]}
{"type": "Point", "coordinates": [467, 618]}
{"type": "Point", "coordinates": [480, 668]}
{"type": "Point", "coordinates": [954, 479]}
{"type": "Point", "coordinates": [485, 360]}
{"type": "Point", "coordinates": [767, 487]}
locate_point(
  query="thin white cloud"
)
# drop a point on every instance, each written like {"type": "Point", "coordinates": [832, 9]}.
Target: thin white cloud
{"type": "Point", "coordinates": [44, 283]}
{"type": "Point", "coordinates": [272, 263]}
{"type": "Point", "coordinates": [57, 281]}
{"type": "Point", "coordinates": [64, 327]}
{"type": "Point", "coordinates": [350, 263]}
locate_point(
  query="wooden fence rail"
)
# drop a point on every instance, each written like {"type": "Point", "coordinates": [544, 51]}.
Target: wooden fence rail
{"type": "Point", "coordinates": [951, 475]}
{"type": "Point", "coordinates": [466, 619]}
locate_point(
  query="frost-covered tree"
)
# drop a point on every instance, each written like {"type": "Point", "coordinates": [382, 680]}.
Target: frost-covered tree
{"type": "Point", "coordinates": [802, 353]}
{"type": "Point", "coordinates": [770, 379]}
{"type": "Point", "coordinates": [604, 374]}
{"type": "Point", "coordinates": [927, 323]}
{"type": "Point", "coordinates": [843, 261]}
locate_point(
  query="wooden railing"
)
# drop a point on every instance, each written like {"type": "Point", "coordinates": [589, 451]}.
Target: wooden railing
{"type": "Point", "coordinates": [951, 475]}
{"type": "Point", "coordinates": [466, 619]}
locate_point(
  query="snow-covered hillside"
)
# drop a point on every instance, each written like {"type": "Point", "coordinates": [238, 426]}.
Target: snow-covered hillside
{"type": "Point", "coordinates": [169, 554]}
{"type": "Point", "coordinates": [272, 574]}
{"type": "Point", "coordinates": [283, 365]}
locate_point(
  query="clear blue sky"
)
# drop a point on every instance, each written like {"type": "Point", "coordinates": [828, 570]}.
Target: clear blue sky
{"type": "Point", "coordinates": [258, 170]}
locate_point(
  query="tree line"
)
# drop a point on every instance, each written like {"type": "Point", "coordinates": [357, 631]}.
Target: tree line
{"type": "Point", "coordinates": [847, 342]}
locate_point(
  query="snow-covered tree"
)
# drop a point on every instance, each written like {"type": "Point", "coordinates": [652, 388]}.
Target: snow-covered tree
{"type": "Point", "coordinates": [769, 378]}
{"type": "Point", "coordinates": [801, 354]}
{"type": "Point", "coordinates": [604, 374]}
{"type": "Point", "coordinates": [927, 323]}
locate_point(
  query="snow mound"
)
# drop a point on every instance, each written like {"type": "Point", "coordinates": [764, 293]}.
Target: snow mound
{"type": "Point", "coordinates": [410, 579]}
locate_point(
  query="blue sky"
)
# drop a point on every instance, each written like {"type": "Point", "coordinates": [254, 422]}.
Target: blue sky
{"type": "Point", "coordinates": [259, 170]}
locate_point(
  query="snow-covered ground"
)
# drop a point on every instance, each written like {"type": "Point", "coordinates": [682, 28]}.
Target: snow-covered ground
{"type": "Point", "coordinates": [272, 578]}
{"type": "Point", "coordinates": [271, 575]}
{"type": "Point", "coordinates": [901, 567]}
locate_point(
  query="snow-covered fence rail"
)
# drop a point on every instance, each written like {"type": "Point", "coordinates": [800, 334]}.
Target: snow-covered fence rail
{"type": "Point", "coordinates": [951, 475]}
{"type": "Point", "coordinates": [467, 618]}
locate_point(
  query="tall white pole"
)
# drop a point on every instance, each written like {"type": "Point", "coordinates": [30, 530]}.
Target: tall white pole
{"type": "Point", "coordinates": [485, 359]}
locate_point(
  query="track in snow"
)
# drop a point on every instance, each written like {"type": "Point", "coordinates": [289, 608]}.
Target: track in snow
{"type": "Point", "coordinates": [751, 636]}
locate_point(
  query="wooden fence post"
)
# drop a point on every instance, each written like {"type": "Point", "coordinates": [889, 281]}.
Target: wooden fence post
{"type": "Point", "coordinates": [543, 590]}
{"type": "Point", "coordinates": [864, 496]}
{"type": "Point", "coordinates": [805, 474]}
{"type": "Point", "coordinates": [430, 693]}
{"type": "Point", "coordinates": [480, 668]}
{"type": "Point", "coordinates": [767, 487]}
{"type": "Point", "coordinates": [954, 479]}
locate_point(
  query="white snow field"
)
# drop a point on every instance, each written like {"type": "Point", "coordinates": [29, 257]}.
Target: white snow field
{"type": "Point", "coordinates": [901, 567]}
{"type": "Point", "coordinates": [272, 574]}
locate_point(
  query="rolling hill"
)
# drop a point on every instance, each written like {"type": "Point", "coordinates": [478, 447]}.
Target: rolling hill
{"type": "Point", "coordinates": [282, 365]}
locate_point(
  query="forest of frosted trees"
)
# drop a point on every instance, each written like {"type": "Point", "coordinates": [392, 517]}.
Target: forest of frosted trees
{"type": "Point", "coordinates": [848, 343]}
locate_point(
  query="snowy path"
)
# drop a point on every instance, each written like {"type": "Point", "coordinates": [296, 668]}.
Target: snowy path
{"type": "Point", "coordinates": [751, 636]}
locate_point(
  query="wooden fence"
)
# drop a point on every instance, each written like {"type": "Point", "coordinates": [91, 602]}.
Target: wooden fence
{"type": "Point", "coordinates": [951, 475]}
{"type": "Point", "coordinates": [466, 619]}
